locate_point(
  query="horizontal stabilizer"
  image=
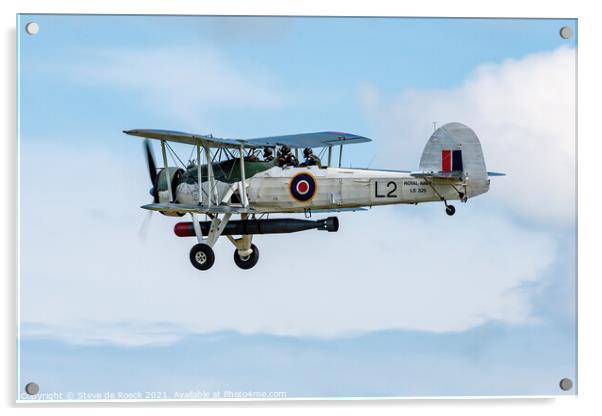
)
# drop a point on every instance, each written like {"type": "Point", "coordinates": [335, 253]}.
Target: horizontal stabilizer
{"type": "Point", "coordinates": [495, 174]}
{"type": "Point", "coordinates": [452, 176]}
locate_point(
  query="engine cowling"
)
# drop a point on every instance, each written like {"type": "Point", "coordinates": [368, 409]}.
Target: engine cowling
{"type": "Point", "coordinates": [160, 190]}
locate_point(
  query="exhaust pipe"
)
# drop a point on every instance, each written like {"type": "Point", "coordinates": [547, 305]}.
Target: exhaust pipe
{"type": "Point", "coordinates": [269, 226]}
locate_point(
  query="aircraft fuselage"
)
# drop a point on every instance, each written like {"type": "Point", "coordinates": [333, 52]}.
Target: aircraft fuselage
{"type": "Point", "coordinates": [295, 189]}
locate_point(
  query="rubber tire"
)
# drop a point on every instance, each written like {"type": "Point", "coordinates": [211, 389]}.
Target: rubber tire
{"type": "Point", "coordinates": [250, 262]}
{"type": "Point", "coordinates": [197, 249]}
{"type": "Point", "coordinates": [450, 210]}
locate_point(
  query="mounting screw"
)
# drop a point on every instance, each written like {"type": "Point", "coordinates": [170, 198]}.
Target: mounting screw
{"type": "Point", "coordinates": [32, 28]}
{"type": "Point", "coordinates": [32, 388]}
{"type": "Point", "coordinates": [565, 32]}
{"type": "Point", "coordinates": [566, 384]}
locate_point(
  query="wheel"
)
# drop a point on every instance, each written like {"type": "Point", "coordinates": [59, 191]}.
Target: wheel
{"type": "Point", "coordinates": [202, 257]}
{"type": "Point", "coordinates": [248, 262]}
{"type": "Point", "coordinates": [450, 210]}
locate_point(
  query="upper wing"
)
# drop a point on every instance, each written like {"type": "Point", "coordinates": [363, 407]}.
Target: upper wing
{"type": "Point", "coordinates": [320, 139]}
{"type": "Point", "coordinates": [180, 137]}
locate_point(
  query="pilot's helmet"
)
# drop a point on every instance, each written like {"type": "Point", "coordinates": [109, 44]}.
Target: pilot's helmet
{"type": "Point", "coordinates": [307, 151]}
{"type": "Point", "coordinates": [286, 149]}
{"type": "Point", "coordinates": [267, 152]}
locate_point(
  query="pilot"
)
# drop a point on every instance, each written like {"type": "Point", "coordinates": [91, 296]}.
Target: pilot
{"type": "Point", "coordinates": [268, 154]}
{"type": "Point", "coordinates": [252, 157]}
{"type": "Point", "coordinates": [310, 158]}
{"type": "Point", "coordinates": [286, 157]}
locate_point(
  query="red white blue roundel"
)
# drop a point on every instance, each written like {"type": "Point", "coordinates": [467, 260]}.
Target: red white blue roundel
{"type": "Point", "coordinates": [302, 187]}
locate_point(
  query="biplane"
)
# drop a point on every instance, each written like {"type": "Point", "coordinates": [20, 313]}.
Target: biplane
{"type": "Point", "coordinates": [229, 178]}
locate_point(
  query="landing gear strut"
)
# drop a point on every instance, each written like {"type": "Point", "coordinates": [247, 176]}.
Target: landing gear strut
{"type": "Point", "coordinates": [202, 256]}
{"type": "Point", "coordinates": [449, 209]}
{"type": "Point", "coordinates": [247, 262]}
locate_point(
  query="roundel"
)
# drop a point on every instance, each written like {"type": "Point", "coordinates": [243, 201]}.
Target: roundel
{"type": "Point", "coordinates": [302, 187]}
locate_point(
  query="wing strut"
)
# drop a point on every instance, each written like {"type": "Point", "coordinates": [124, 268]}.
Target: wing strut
{"type": "Point", "coordinates": [168, 178]}
{"type": "Point", "coordinates": [243, 190]}
{"type": "Point", "coordinates": [210, 179]}
{"type": "Point", "coordinates": [198, 172]}
{"type": "Point", "coordinates": [340, 155]}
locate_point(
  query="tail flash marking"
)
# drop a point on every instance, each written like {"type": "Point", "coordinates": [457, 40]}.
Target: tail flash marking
{"type": "Point", "coordinates": [446, 160]}
{"type": "Point", "coordinates": [457, 161]}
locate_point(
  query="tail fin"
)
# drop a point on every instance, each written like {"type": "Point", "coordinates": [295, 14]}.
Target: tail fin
{"type": "Point", "coordinates": [454, 150]}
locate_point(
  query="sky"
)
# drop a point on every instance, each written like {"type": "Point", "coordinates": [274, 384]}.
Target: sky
{"type": "Point", "coordinates": [402, 301]}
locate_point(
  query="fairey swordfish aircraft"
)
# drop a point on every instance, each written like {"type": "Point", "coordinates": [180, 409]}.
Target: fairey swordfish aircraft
{"type": "Point", "coordinates": [236, 180]}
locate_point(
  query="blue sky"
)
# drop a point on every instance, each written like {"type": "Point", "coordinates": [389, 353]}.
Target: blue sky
{"type": "Point", "coordinates": [314, 64]}
{"type": "Point", "coordinates": [509, 316]}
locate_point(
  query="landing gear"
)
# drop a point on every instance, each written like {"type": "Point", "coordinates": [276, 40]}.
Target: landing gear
{"type": "Point", "coordinates": [201, 256]}
{"type": "Point", "coordinates": [449, 209]}
{"type": "Point", "coordinates": [249, 261]}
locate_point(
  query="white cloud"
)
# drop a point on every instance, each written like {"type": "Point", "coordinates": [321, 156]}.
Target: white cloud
{"type": "Point", "coordinates": [524, 113]}
{"type": "Point", "coordinates": [183, 83]}
{"type": "Point", "coordinates": [87, 277]}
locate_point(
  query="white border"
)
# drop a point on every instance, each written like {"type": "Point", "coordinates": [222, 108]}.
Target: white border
{"type": "Point", "coordinates": [589, 152]}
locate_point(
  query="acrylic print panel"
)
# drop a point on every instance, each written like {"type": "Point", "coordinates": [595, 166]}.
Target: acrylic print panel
{"type": "Point", "coordinates": [402, 299]}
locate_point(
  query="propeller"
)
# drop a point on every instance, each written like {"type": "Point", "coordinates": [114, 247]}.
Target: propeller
{"type": "Point", "coordinates": [152, 169]}
{"type": "Point", "coordinates": [152, 172]}
{"type": "Point", "coordinates": [143, 230]}
{"type": "Point", "coordinates": [154, 177]}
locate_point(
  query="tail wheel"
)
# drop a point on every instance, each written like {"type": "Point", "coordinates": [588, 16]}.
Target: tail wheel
{"type": "Point", "coordinates": [249, 261]}
{"type": "Point", "coordinates": [202, 257]}
{"type": "Point", "coordinates": [450, 210]}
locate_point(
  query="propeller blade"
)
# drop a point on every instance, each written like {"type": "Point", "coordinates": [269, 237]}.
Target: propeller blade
{"type": "Point", "coordinates": [143, 231]}
{"type": "Point", "coordinates": [152, 168]}
{"type": "Point", "coordinates": [150, 161]}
